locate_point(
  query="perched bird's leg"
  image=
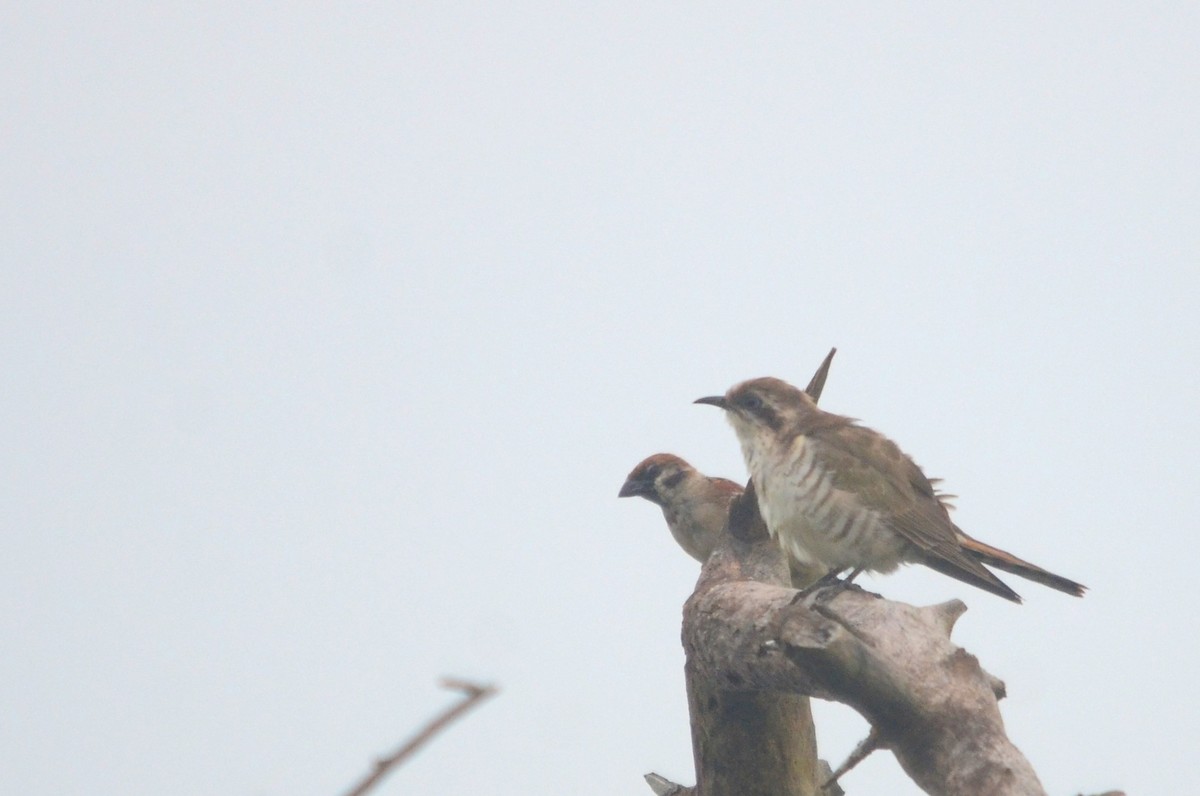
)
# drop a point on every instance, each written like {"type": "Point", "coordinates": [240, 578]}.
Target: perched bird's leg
{"type": "Point", "coordinates": [830, 578]}
{"type": "Point", "coordinates": [838, 586]}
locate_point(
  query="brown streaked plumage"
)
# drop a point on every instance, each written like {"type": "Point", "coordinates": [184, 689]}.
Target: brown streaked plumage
{"type": "Point", "coordinates": [843, 496]}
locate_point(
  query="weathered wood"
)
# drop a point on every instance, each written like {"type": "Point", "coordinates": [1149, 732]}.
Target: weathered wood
{"type": "Point", "coordinates": [930, 701]}
{"type": "Point", "coordinates": [747, 742]}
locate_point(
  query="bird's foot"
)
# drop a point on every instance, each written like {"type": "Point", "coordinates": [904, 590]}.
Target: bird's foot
{"type": "Point", "coordinates": [831, 590]}
{"type": "Point", "coordinates": [830, 586]}
{"type": "Point", "coordinates": [828, 580]}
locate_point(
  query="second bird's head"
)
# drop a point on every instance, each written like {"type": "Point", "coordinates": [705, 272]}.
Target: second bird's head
{"type": "Point", "coordinates": [658, 478]}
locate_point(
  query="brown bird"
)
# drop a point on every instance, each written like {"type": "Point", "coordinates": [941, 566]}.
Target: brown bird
{"type": "Point", "coordinates": [842, 496]}
{"type": "Point", "coordinates": [694, 505]}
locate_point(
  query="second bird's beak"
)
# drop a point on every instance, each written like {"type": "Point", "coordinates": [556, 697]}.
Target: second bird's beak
{"type": "Point", "coordinates": [713, 400]}
{"type": "Point", "coordinates": [632, 487]}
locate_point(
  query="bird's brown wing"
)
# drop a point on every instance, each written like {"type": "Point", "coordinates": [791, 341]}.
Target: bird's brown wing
{"type": "Point", "coordinates": [874, 469]}
{"type": "Point", "coordinates": [725, 491]}
{"type": "Point", "coordinates": [726, 487]}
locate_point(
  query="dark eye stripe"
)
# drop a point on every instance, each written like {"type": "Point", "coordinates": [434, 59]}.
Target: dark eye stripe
{"type": "Point", "coordinates": [671, 481]}
{"type": "Point", "coordinates": [756, 406]}
{"type": "Point", "coordinates": [770, 418]}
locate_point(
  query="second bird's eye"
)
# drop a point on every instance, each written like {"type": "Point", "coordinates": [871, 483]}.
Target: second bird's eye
{"type": "Point", "coordinates": [751, 402]}
{"type": "Point", "coordinates": [671, 481]}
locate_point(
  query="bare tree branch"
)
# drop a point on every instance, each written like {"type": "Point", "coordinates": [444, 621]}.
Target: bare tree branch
{"type": "Point", "coordinates": [756, 651]}
{"type": "Point", "coordinates": [929, 701]}
{"type": "Point", "coordinates": [473, 695]}
{"type": "Point", "coordinates": [747, 741]}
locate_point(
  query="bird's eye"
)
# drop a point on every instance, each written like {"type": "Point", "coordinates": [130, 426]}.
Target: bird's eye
{"type": "Point", "coordinates": [651, 472]}
{"type": "Point", "coordinates": [751, 401]}
{"type": "Point", "coordinates": [671, 481]}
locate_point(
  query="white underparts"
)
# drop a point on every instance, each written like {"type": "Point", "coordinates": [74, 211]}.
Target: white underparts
{"type": "Point", "coordinates": [812, 519]}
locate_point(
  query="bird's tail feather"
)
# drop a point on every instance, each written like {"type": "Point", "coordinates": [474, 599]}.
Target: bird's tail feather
{"type": "Point", "coordinates": [968, 570]}
{"type": "Point", "coordinates": [1003, 560]}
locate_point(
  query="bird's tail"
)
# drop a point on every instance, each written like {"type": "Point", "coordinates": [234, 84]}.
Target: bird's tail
{"type": "Point", "coordinates": [1003, 560]}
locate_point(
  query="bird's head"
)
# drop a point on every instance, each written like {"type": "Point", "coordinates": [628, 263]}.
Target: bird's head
{"type": "Point", "coordinates": [762, 406]}
{"type": "Point", "coordinates": [657, 478]}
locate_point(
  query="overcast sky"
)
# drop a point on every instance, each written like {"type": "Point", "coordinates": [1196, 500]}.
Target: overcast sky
{"type": "Point", "coordinates": [330, 332]}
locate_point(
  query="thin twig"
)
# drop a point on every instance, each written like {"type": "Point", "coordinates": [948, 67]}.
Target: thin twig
{"type": "Point", "coordinates": [861, 752]}
{"type": "Point", "coordinates": [474, 694]}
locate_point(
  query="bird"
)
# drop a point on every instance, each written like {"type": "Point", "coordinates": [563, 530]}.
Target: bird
{"type": "Point", "coordinates": [695, 506]}
{"type": "Point", "coordinates": [841, 496]}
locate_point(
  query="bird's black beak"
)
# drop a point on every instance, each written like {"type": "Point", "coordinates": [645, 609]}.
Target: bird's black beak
{"type": "Point", "coordinates": [634, 488]}
{"type": "Point", "coordinates": [713, 400]}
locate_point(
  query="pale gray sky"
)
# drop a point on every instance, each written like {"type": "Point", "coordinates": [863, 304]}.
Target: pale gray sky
{"type": "Point", "coordinates": [330, 332]}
